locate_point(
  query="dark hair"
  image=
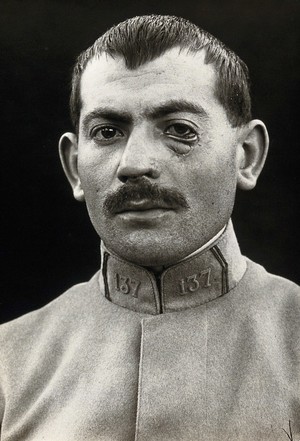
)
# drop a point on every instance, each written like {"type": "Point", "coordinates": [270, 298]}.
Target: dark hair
{"type": "Point", "coordinates": [144, 38]}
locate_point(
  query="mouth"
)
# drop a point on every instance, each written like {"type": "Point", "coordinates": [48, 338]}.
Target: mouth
{"type": "Point", "coordinates": [143, 206]}
{"type": "Point", "coordinates": [143, 210]}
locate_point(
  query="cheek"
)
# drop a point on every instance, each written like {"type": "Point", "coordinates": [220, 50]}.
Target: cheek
{"type": "Point", "coordinates": [96, 171]}
{"type": "Point", "coordinates": [210, 177]}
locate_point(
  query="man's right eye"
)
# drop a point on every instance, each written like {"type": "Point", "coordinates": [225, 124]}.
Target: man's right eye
{"type": "Point", "coordinates": [106, 133]}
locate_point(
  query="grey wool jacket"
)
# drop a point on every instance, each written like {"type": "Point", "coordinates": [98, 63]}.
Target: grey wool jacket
{"type": "Point", "coordinates": [210, 352]}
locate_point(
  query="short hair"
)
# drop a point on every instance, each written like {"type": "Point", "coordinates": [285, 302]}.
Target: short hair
{"type": "Point", "coordinates": [144, 38]}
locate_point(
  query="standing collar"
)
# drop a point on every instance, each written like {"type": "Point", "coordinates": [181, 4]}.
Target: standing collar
{"type": "Point", "coordinates": [207, 244]}
{"type": "Point", "coordinates": [200, 278]}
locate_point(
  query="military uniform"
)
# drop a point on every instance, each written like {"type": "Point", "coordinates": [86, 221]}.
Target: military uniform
{"type": "Point", "coordinates": [209, 351]}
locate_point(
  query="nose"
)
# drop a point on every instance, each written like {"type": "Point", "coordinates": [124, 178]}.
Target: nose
{"type": "Point", "coordinates": [139, 158]}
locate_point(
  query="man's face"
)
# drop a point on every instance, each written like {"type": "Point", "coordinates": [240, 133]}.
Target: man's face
{"type": "Point", "coordinates": [156, 156]}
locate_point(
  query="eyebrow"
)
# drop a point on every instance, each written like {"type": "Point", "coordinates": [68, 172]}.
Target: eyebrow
{"type": "Point", "coordinates": [174, 106]}
{"type": "Point", "coordinates": [152, 112]}
{"type": "Point", "coordinates": [106, 113]}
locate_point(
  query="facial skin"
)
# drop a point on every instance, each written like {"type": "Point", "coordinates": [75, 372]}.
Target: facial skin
{"type": "Point", "coordinates": [159, 124]}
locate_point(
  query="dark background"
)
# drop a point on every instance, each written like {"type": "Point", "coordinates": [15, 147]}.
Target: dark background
{"type": "Point", "coordinates": [47, 241]}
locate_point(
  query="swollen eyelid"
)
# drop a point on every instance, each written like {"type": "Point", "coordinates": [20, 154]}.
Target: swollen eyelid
{"type": "Point", "coordinates": [181, 131]}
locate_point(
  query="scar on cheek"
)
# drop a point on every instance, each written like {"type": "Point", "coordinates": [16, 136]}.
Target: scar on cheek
{"type": "Point", "coordinates": [154, 163]}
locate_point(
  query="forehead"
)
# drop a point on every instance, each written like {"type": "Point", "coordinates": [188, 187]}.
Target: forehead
{"type": "Point", "coordinates": [175, 75]}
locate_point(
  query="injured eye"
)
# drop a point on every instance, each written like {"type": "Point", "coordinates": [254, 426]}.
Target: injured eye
{"type": "Point", "coordinates": [181, 132]}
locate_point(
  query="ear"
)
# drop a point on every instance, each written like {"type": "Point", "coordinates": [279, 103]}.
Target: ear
{"type": "Point", "coordinates": [253, 150]}
{"type": "Point", "coordinates": [68, 152]}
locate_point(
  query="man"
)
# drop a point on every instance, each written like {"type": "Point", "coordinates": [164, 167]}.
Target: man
{"type": "Point", "coordinates": [178, 336]}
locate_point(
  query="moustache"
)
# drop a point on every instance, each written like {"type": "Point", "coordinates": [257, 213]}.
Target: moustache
{"type": "Point", "coordinates": [118, 201]}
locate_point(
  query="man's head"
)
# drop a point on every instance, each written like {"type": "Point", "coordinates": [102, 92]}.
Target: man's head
{"type": "Point", "coordinates": [142, 39]}
{"type": "Point", "coordinates": [163, 137]}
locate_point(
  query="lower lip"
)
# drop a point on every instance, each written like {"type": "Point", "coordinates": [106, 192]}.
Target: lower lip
{"type": "Point", "coordinates": [144, 215]}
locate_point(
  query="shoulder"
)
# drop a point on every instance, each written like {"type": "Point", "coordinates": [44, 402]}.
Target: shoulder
{"type": "Point", "coordinates": [274, 296]}
{"type": "Point", "coordinates": [34, 344]}
{"type": "Point", "coordinates": [258, 276]}
{"type": "Point", "coordinates": [266, 308]}
{"type": "Point", "coordinates": [50, 320]}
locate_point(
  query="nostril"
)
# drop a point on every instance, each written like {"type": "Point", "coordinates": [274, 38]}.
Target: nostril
{"type": "Point", "coordinates": [123, 179]}
{"type": "Point", "coordinates": [136, 170]}
{"type": "Point", "coordinates": [155, 173]}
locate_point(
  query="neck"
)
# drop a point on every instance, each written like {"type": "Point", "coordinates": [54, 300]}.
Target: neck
{"type": "Point", "coordinates": [157, 270]}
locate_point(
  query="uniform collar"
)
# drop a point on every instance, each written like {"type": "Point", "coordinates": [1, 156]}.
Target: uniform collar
{"type": "Point", "coordinates": [198, 279]}
{"type": "Point", "coordinates": [207, 244]}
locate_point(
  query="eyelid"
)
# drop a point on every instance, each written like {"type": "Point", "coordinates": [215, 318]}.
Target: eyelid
{"type": "Point", "coordinates": [180, 120]}
{"type": "Point", "coordinates": [191, 137]}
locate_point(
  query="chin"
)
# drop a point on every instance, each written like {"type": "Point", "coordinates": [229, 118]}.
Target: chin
{"type": "Point", "coordinates": [147, 259]}
{"type": "Point", "coordinates": [147, 253]}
